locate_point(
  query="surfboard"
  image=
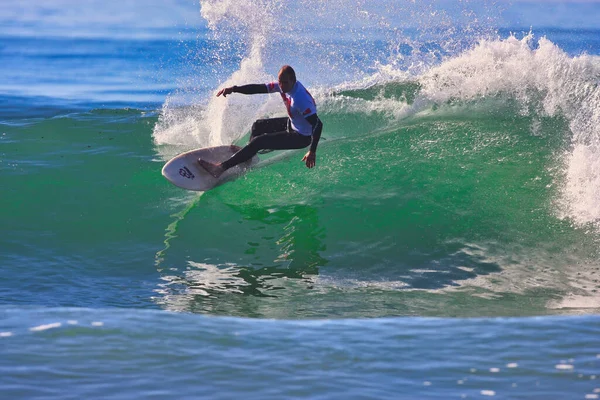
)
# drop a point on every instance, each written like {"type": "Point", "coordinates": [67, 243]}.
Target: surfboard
{"type": "Point", "coordinates": [184, 171]}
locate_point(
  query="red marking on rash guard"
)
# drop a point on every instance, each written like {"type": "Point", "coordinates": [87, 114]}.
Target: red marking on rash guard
{"type": "Point", "coordinates": [306, 112]}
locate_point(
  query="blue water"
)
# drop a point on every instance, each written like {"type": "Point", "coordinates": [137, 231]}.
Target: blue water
{"type": "Point", "coordinates": [446, 245]}
{"type": "Point", "coordinates": [128, 353]}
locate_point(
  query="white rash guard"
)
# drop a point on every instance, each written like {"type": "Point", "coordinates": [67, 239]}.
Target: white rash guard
{"type": "Point", "coordinates": [299, 104]}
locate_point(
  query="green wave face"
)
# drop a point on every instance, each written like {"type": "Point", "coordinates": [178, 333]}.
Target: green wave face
{"type": "Point", "coordinates": [454, 206]}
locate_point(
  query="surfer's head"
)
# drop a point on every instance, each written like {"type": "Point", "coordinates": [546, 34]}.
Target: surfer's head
{"type": "Point", "coordinates": [287, 78]}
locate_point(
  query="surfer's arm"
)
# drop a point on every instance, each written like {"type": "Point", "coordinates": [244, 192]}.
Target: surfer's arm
{"type": "Point", "coordinates": [317, 127]}
{"type": "Point", "coordinates": [244, 89]}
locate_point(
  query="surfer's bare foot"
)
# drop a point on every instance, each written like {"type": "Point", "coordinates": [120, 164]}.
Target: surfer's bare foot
{"type": "Point", "coordinates": [214, 169]}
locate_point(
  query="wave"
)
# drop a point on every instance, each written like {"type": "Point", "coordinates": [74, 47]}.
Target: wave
{"type": "Point", "coordinates": [477, 153]}
{"type": "Point", "coordinates": [532, 78]}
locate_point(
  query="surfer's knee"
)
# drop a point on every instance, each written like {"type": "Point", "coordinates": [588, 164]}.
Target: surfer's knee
{"type": "Point", "coordinates": [254, 130]}
{"type": "Point", "coordinates": [258, 142]}
{"type": "Point", "coordinates": [257, 130]}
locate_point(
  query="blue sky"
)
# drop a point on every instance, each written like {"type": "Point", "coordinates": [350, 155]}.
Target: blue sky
{"type": "Point", "coordinates": [581, 14]}
{"type": "Point", "coordinates": [149, 18]}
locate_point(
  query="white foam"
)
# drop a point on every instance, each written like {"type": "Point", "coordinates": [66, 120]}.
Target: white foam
{"type": "Point", "coordinates": [571, 301]}
{"type": "Point", "coordinates": [45, 327]}
{"type": "Point", "coordinates": [221, 120]}
{"type": "Point", "coordinates": [564, 367]}
{"type": "Point", "coordinates": [582, 189]}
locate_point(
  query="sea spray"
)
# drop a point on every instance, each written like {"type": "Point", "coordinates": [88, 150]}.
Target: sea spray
{"type": "Point", "coordinates": [329, 44]}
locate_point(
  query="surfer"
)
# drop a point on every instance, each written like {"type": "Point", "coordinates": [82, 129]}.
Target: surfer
{"type": "Point", "coordinates": [301, 129]}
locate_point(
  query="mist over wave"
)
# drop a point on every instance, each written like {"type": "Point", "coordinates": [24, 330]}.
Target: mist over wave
{"type": "Point", "coordinates": [329, 44]}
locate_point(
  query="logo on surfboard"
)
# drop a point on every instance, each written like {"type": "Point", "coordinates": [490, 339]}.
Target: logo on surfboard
{"type": "Point", "coordinates": [186, 173]}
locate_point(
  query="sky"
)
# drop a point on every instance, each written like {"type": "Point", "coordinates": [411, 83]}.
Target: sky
{"type": "Point", "coordinates": [182, 18]}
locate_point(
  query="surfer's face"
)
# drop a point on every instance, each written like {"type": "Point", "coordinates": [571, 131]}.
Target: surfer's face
{"type": "Point", "coordinates": [286, 82]}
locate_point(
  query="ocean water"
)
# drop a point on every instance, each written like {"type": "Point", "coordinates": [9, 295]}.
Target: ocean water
{"type": "Point", "coordinates": [445, 246]}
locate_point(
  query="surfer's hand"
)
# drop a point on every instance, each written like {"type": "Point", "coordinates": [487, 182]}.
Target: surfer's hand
{"type": "Point", "coordinates": [310, 159]}
{"type": "Point", "coordinates": [225, 91]}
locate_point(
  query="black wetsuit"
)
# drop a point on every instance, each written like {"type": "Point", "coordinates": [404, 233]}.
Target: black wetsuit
{"type": "Point", "coordinates": [274, 133]}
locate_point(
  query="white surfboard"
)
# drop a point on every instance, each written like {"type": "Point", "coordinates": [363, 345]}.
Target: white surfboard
{"type": "Point", "coordinates": [185, 172]}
